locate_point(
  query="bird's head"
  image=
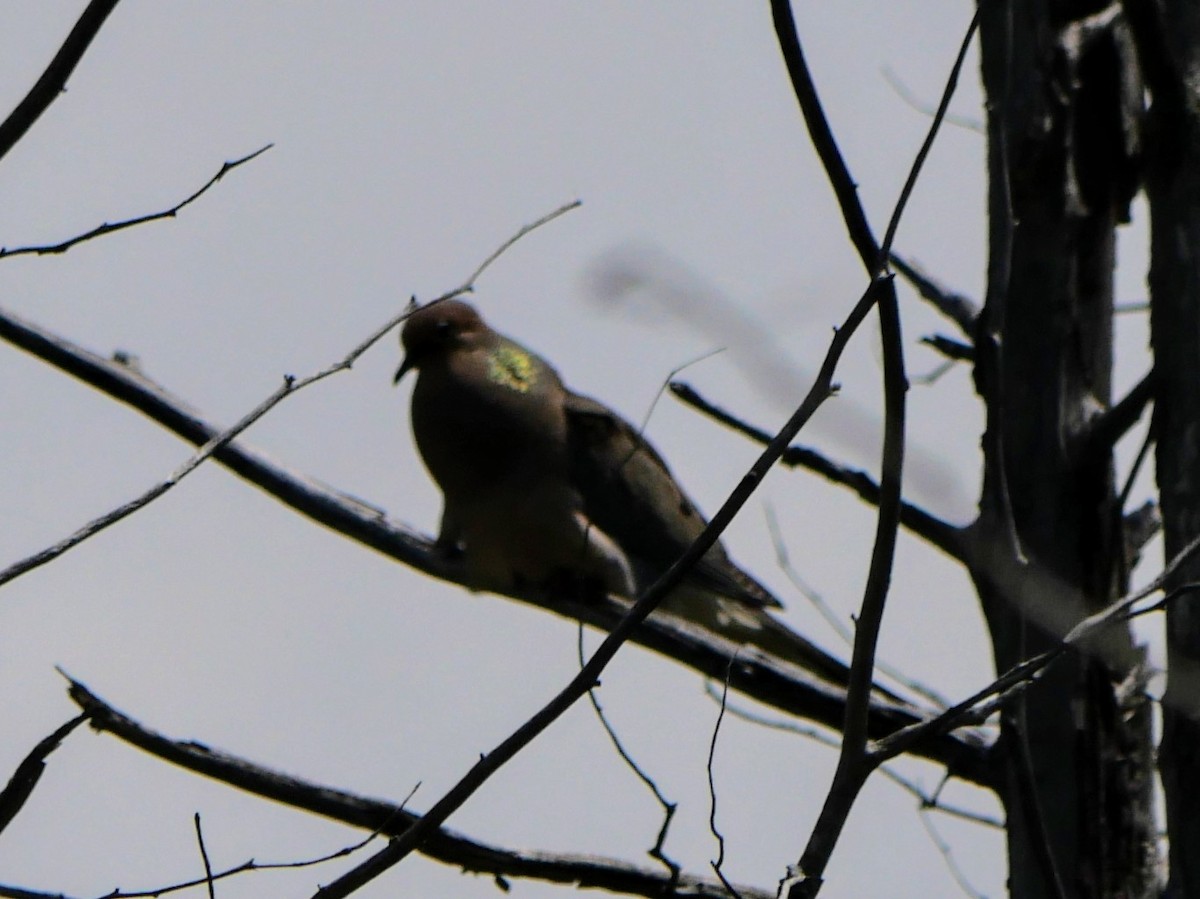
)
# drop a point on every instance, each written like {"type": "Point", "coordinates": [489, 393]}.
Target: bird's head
{"type": "Point", "coordinates": [437, 329]}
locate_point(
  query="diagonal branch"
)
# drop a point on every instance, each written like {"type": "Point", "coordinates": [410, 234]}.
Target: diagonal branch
{"type": "Point", "coordinates": [54, 80]}
{"type": "Point", "coordinates": [949, 538]}
{"type": "Point", "coordinates": [1105, 430]}
{"type": "Point", "coordinates": [446, 846]}
{"type": "Point", "coordinates": [1083, 636]}
{"type": "Point", "coordinates": [110, 227]}
{"type": "Point", "coordinates": [961, 310]}
{"type": "Point", "coordinates": [953, 350]}
{"type": "Point", "coordinates": [24, 779]}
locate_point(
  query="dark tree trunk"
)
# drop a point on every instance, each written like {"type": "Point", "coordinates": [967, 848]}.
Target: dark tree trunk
{"type": "Point", "coordinates": [1075, 749]}
{"type": "Point", "coordinates": [1168, 38]}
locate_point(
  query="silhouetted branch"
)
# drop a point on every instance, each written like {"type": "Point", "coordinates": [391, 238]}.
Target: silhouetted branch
{"type": "Point", "coordinates": [668, 807]}
{"type": "Point", "coordinates": [1082, 636]}
{"type": "Point", "coordinates": [211, 877]}
{"type": "Point", "coordinates": [961, 310]}
{"type": "Point", "coordinates": [109, 228]}
{"type": "Point", "coordinates": [925, 799]}
{"type": "Point", "coordinates": [719, 861]}
{"type": "Point", "coordinates": [821, 136]}
{"type": "Point", "coordinates": [443, 845]}
{"type": "Point", "coordinates": [24, 779]}
{"type": "Point", "coordinates": [954, 350]}
{"type": "Point", "coordinates": [1106, 429]}
{"type": "Point", "coordinates": [854, 763]}
{"type": "Point", "coordinates": [54, 80]}
{"type": "Point", "coordinates": [947, 537]}
{"type": "Point", "coordinates": [208, 871]}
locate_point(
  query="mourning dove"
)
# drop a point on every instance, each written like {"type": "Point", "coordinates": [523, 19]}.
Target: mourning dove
{"type": "Point", "coordinates": [544, 487]}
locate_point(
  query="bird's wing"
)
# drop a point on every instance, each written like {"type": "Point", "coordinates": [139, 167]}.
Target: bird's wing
{"type": "Point", "coordinates": [628, 492]}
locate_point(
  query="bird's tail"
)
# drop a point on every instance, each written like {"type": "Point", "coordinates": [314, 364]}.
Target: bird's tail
{"type": "Point", "coordinates": [741, 623]}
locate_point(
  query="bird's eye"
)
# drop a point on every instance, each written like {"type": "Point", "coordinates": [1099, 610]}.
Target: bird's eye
{"type": "Point", "coordinates": [443, 329]}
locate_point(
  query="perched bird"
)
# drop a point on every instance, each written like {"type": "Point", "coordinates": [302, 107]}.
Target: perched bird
{"type": "Point", "coordinates": [544, 487]}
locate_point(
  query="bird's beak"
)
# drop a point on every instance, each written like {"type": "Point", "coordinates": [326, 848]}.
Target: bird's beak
{"type": "Point", "coordinates": [402, 370]}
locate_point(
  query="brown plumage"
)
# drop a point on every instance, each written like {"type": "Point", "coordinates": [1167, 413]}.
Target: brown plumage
{"type": "Point", "coordinates": [545, 487]}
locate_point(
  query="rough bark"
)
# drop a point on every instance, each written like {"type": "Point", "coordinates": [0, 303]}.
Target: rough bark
{"type": "Point", "coordinates": [1061, 147]}
{"type": "Point", "coordinates": [1168, 38]}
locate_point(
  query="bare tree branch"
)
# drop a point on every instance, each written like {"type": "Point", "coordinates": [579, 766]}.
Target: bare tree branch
{"type": "Point", "coordinates": [208, 871]}
{"type": "Point", "coordinates": [947, 855]}
{"type": "Point", "coordinates": [854, 764]}
{"type": "Point", "coordinates": [949, 538]}
{"type": "Point", "coordinates": [954, 350]}
{"type": "Point", "coordinates": [211, 877]}
{"type": "Point", "coordinates": [961, 310]}
{"type": "Point", "coordinates": [668, 807]}
{"type": "Point", "coordinates": [1106, 429]}
{"type": "Point", "coordinates": [444, 845]}
{"type": "Point", "coordinates": [926, 800]}
{"type": "Point", "coordinates": [110, 227]}
{"type": "Point", "coordinates": [54, 80]}
{"type": "Point", "coordinates": [12, 892]}
{"type": "Point", "coordinates": [1082, 636]}
{"type": "Point", "coordinates": [24, 779]}
{"type": "Point", "coordinates": [719, 861]}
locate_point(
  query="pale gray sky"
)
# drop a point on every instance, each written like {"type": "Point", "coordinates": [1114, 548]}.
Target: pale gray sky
{"type": "Point", "coordinates": [410, 140]}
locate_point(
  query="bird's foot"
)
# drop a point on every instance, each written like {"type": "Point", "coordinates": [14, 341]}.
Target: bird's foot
{"type": "Point", "coordinates": [449, 550]}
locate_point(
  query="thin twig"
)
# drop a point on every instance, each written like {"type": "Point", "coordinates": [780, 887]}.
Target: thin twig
{"type": "Point", "coordinates": [947, 854]}
{"type": "Point", "coordinates": [953, 350]}
{"type": "Point", "coordinates": [668, 807]}
{"type": "Point", "coordinates": [208, 871]}
{"type": "Point", "coordinates": [668, 383]}
{"type": "Point", "coordinates": [1020, 676]}
{"type": "Point", "coordinates": [939, 117]}
{"type": "Point", "coordinates": [719, 861]}
{"type": "Point", "coordinates": [925, 799]}
{"type": "Point", "coordinates": [109, 228]}
{"type": "Point", "coordinates": [902, 91]}
{"type": "Point", "coordinates": [469, 286]}
{"type": "Point", "coordinates": [933, 375]}
{"type": "Point", "coordinates": [53, 81]}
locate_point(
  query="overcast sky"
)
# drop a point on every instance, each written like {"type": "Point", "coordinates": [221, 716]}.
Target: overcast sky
{"type": "Point", "coordinates": [410, 140]}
